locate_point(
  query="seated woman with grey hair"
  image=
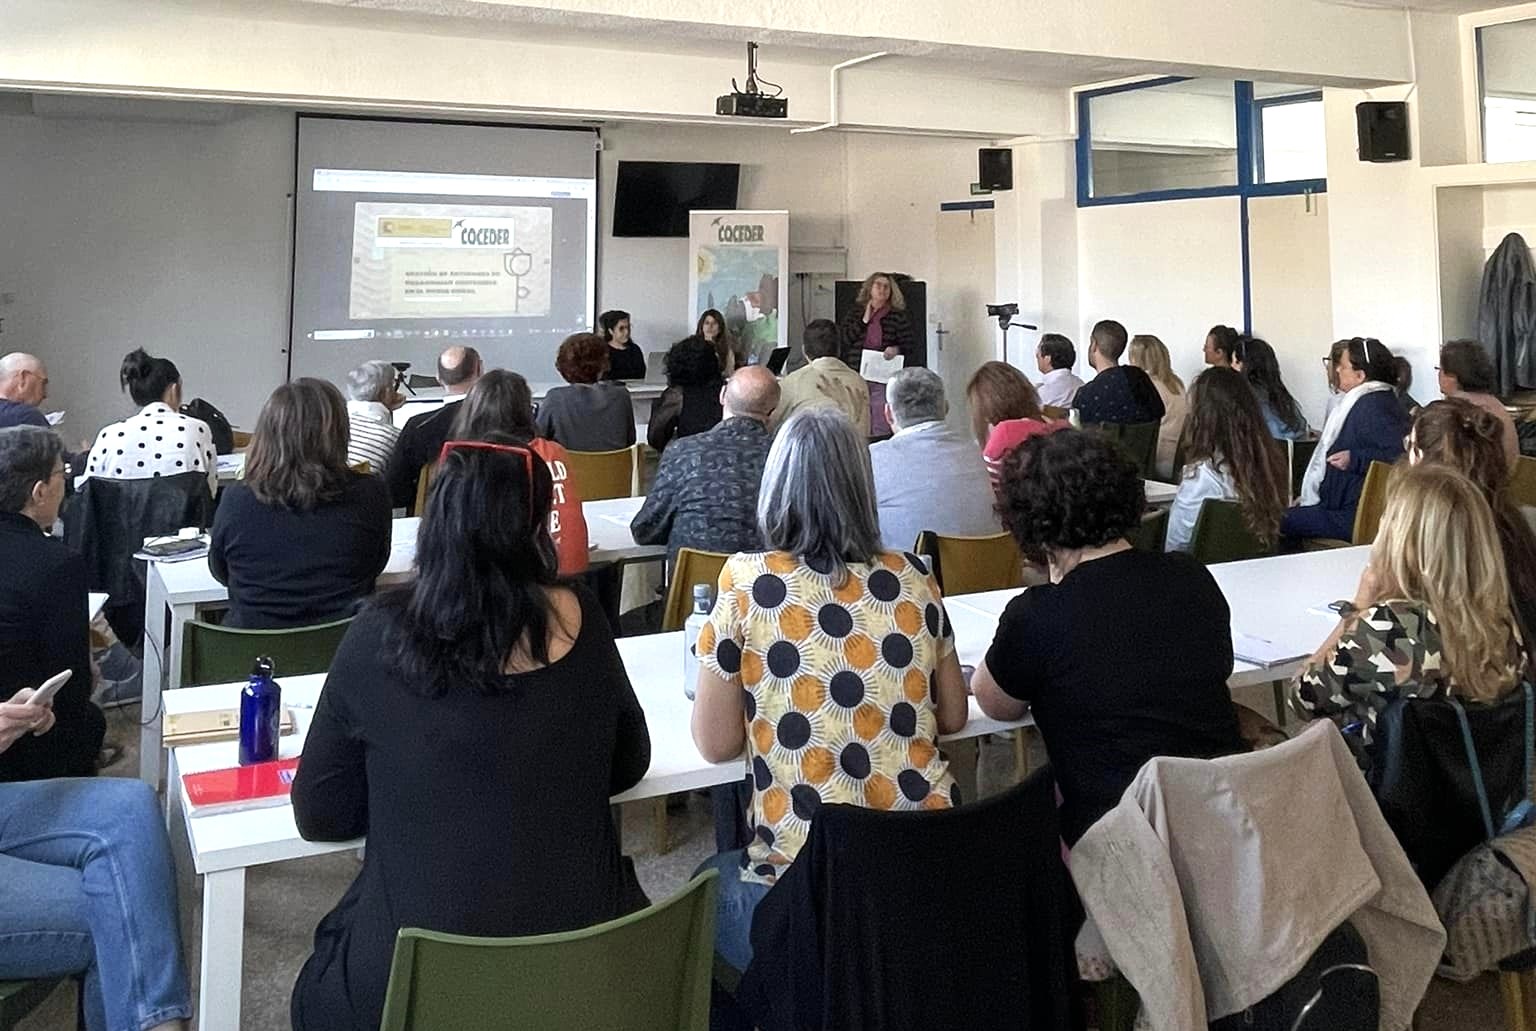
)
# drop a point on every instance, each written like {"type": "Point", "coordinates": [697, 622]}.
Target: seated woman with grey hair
{"type": "Point", "coordinates": [817, 646]}
{"type": "Point", "coordinates": [371, 402]}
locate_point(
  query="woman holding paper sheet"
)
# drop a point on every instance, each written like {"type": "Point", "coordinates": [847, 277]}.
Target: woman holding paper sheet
{"type": "Point", "coordinates": [877, 323]}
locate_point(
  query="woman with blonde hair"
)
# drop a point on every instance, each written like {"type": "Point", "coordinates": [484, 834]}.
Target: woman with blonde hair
{"type": "Point", "coordinates": [878, 321]}
{"type": "Point", "coordinates": [1432, 613]}
{"type": "Point", "coordinates": [1150, 355]}
{"type": "Point", "coordinates": [1005, 412]}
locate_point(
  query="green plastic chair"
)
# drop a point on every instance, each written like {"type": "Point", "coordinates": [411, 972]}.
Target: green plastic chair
{"type": "Point", "coordinates": [1137, 439]}
{"type": "Point", "coordinates": [212, 654]}
{"type": "Point", "coordinates": [18, 998]}
{"type": "Point", "coordinates": [1152, 533]}
{"type": "Point", "coordinates": [650, 969]}
{"type": "Point", "coordinates": [1221, 535]}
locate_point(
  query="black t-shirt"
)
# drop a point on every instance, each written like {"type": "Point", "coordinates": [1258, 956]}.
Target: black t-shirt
{"type": "Point", "coordinates": [627, 362]}
{"type": "Point", "coordinates": [1122, 394]}
{"type": "Point", "coordinates": [1126, 659]}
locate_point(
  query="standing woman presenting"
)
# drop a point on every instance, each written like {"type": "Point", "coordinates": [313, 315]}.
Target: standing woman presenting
{"type": "Point", "coordinates": [625, 359]}
{"type": "Point", "coordinates": [878, 322]}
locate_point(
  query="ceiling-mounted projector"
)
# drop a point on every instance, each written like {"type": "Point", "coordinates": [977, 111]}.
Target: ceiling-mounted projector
{"type": "Point", "coordinates": [749, 101]}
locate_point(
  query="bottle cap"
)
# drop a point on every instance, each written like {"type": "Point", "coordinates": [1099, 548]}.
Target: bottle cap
{"type": "Point", "coordinates": [263, 666]}
{"type": "Point", "coordinates": [703, 592]}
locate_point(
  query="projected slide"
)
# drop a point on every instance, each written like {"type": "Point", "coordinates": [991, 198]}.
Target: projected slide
{"type": "Point", "coordinates": [410, 237]}
{"type": "Point", "coordinates": [426, 261]}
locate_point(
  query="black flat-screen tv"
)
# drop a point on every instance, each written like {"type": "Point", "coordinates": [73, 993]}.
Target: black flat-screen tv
{"type": "Point", "coordinates": [653, 198]}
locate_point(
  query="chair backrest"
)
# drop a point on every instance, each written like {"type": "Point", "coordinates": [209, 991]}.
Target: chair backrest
{"type": "Point", "coordinates": [1522, 482]}
{"type": "Point", "coordinates": [1301, 455]}
{"type": "Point", "coordinates": [366, 468]}
{"type": "Point", "coordinates": [605, 474]}
{"type": "Point", "coordinates": [832, 950]}
{"type": "Point", "coordinates": [1222, 536]}
{"type": "Point", "coordinates": [1053, 412]}
{"type": "Point", "coordinates": [1423, 781]}
{"type": "Point", "coordinates": [691, 567]}
{"type": "Point", "coordinates": [965, 565]}
{"type": "Point", "coordinates": [423, 486]}
{"type": "Point", "coordinates": [1152, 532]}
{"type": "Point", "coordinates": [1372, 503]}
{"type": "Point", "coordinates": [1137, 439]}
{"type": "Point", "coordinates": [650, 969]}
{"type": "Point", "coordinates": [107, 521]}
{"type": "Point", "coordinates": [213, 654]}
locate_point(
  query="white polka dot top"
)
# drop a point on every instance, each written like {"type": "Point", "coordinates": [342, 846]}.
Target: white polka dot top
{"type": "Point", "coordinates": [159, 441]}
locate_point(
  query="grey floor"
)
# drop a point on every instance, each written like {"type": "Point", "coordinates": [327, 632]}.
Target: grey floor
{"type": "Point", "coordinates": [284, 901]}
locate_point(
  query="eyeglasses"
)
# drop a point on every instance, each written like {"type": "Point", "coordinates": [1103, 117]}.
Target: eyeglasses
{"type": "Point", "coordinates": [508, 449]}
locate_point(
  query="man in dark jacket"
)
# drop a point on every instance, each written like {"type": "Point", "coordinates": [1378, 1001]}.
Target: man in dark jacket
{"type": "Point", "coordinates": [458, 369]}
{"type": "Point", "coordinates": [1117, 393]}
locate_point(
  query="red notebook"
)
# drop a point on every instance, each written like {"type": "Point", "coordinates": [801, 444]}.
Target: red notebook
{"type": "Point", "coordinates": [240, 787]}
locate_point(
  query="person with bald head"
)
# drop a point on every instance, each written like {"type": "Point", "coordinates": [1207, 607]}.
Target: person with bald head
{"type": "Point", "coordinates": [705, 494]}
{"type": "Point", "coordinates": [458, 369]}
{"type": "Point", "coordinates": [23, 387]}
{"type": "Point", "coordinates": [705, 497]}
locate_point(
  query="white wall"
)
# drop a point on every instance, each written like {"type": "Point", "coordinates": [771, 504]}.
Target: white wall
{"type": "Point", "coordinates": [1292, 286]}
{"type": "Point", "coordinates": [170, 237]}
{"type": "Point", "coordinates": [175, 236]}
{"type": "Point", "coordinates": [1171, 269]}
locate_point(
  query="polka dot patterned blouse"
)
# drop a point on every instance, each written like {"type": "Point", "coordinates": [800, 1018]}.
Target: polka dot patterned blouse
{"type": "Point", "coordinates": [156, 442]}
{"type": "Point", "coordinates": [838, 691]}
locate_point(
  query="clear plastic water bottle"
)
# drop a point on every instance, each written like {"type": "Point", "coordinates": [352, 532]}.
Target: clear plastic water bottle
{"type": "Point", "coordinates": [261, 706]}
{"type": "Point", "coordinates": [703, 601]}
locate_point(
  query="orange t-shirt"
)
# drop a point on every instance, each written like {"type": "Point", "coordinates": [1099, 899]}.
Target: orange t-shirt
{"type": "Point", "coordinates": [567, 524]}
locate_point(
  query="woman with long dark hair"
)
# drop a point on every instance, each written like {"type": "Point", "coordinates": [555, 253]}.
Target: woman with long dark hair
{"type": "Point", "coordinates": [474, 728]}
{"type": "Point", "coordinates": [500, 409]}
{"type": "Point", "coordinates": [1367, 426]}
{"type": "Point", "coordinates": [1281, 412]}
{"type": "Point", "coordinates": [301, 539]}
{"type": "Point", "coordinates": [729, 348]}
{"type": "Point", "coordinates": [1229, 456]}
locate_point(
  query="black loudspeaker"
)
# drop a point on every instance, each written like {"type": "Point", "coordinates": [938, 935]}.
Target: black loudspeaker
{"type": "Point", "coordinates": [913, 291]}
{"type": "Point", "coordinates": [994, 168]}
{"type": "Point", "coordinates": [1383, 129]}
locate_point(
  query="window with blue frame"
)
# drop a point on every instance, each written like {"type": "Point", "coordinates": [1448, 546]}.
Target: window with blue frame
{"type": "Point", "coordinates": [1174, 138]}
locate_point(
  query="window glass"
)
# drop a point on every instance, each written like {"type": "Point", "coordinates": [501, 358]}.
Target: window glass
{"type": "Point", "coordinates": [1289, 140]}
{"type": "Point", "coordinates": [1175, 136]}
{"type": "Point", "coordinates": [1507, 59]}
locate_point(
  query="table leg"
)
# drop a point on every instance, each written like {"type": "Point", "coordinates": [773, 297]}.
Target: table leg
{"type": "Point", "coordinates": [218, 1006]}
{"type": "Point", "coordinates": [154, 674]}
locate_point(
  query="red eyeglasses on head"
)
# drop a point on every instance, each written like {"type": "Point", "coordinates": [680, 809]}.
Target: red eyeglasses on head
{"type": "Point", "coordinates": [482, 445]}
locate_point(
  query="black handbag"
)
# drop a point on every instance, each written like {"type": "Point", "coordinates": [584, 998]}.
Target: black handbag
{"type": "Point", "coordinates": [223, 433]}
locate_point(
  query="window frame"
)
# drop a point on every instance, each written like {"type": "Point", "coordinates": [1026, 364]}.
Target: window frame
{"type": "Point", "coordinates": [1246, 110]}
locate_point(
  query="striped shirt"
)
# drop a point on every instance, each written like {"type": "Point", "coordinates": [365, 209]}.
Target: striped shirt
{"type": "Point", "coordinates": [373, 435]}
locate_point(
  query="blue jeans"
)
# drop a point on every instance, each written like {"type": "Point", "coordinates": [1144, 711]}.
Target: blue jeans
{"type": "Point", "coordinates": [734, 905]}
{"type": "Point", "coordinates": [87, 886]}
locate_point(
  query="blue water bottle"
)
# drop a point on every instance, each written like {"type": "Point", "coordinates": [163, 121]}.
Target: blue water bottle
{"type": "Point", "coordinates": [261, 706]}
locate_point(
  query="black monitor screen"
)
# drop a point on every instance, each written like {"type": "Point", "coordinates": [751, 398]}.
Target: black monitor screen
{"type": "Point", "coordinates": [653, 198]}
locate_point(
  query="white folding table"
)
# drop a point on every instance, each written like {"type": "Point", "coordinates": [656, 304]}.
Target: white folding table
{"type": "Point", "coordinates": [224, 845]}
{"type": "Point", "coordinates": [180, 589]}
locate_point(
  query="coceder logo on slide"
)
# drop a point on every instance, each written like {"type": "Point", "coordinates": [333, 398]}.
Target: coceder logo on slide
{"type": "Point", "coordinates": [740, 233]}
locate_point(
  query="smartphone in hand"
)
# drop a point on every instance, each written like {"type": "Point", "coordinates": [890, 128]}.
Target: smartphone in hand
{"type": "Point", "coordinates": [44, 694]}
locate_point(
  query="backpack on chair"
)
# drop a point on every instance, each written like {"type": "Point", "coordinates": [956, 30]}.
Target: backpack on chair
{"type": "Point", "coordinates": [1336, 991]}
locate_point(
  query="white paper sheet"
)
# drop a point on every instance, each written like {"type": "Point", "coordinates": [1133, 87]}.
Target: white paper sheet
{"type": "Point", "coordinates": [875, 367]}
